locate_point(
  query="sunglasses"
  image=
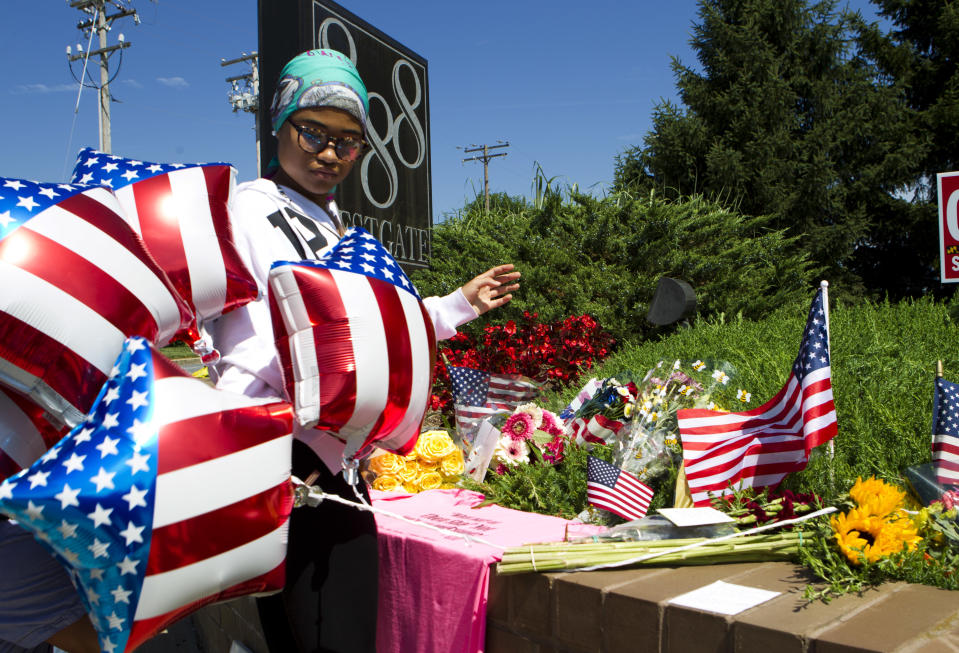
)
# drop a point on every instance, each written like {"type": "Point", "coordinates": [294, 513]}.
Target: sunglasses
{"type": "Point", "coordinates": [346, 148]}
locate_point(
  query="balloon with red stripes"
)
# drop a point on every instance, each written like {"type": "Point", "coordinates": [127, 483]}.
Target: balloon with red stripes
{"type": "Point", "coordinates": [26, 432]}
{"type": "Point", "coordinates": [356, 345]}
{"type": "Point", "coordinates": [169, 496]}
{"type": "Point", "coordinates": [77, 280]}
{"type": "Point", "coordinates": [182, 213]}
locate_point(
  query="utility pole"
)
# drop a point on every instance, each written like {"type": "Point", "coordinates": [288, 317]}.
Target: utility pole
{"type": "Point", "coordinates": [485, 158]}
{"type": "Point", "coordinates": [100, 23]}
{"type": "Point", "coordinates": [246, 98]}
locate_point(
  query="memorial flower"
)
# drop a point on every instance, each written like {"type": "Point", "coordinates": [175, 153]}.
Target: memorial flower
{"type": "Point", "coordinates": [510, 452]}
{"type": "Point", "coordinates": [519, 426]}
{"type": "Point", "coordinates": [861, 534]}
{"type": "Point", "coordinates": [435, 462]}
{"type": "Point", "coordinates": [452, 465]}
{"type": "Point", "coordinates": [429, 481]}
{"type": "Point", "coordinates": [877, 496]}
{"type": "Point", "coordinates": [387, 483]}
{"type": "Point", "coordinates": [551, 423]}
{"type": "Point", "coordinates": [533, 411]}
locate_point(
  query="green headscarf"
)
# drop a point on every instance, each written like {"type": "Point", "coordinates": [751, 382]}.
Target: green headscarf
{"type": "Point", "coordinates": [319, 78]}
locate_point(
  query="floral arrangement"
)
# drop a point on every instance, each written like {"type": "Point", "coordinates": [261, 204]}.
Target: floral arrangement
{"type": "Point", "coordinates": [436, 462]}
{"type": "Point", "coordinates": [530, 429]}
{"type": "Point", "coordinates": [534, 466]}
{"type": "Point", "coordinates": [883, 535]}
{"type": "Point", "coordinates": [545, 352]}
{"type": "Point", "coordinates": [637, 418]}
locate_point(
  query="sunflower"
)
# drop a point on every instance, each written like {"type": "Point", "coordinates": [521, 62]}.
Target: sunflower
{"type": "Point", "coordinates": [876, 496]}
{"type": "Point", "coordinates": [861, 534]}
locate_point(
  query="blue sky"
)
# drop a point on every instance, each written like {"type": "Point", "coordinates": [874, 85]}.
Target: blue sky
{"type": "Point", "coordinates": [568, 84]}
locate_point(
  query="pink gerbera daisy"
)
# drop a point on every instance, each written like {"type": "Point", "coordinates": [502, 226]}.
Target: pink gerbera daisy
{"type": "Point", "coordinates": [519, 426]}
{"type": "Point", "coordinates": [551, 423]}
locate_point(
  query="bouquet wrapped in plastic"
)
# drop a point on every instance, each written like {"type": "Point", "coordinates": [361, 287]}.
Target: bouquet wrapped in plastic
{"type": "Point", "coordinates": [638, 417]}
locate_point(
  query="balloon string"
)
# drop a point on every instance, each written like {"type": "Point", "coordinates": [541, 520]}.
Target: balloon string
{"type": "Point", "coordinates": [323, 496]}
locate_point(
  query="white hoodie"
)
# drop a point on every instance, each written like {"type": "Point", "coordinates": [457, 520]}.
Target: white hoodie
{"type": "Point", "coordinates": [274, 223]}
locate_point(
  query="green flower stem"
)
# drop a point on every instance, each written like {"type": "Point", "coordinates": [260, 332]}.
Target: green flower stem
{"type": "Point", "coordinates": [572, 556]}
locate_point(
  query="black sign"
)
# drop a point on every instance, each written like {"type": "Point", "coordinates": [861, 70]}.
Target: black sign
{"type": "Point", "coordinates": [389, 193]}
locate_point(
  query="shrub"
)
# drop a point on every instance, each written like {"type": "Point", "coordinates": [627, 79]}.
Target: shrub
{"type": "Point", "coordinates": [604, 257]}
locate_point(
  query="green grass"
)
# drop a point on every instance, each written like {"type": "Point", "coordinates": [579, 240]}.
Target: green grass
{"type": "Point", "coordinates": [883, 364]}
{"type": "Point", "coordinates": [178, 350]}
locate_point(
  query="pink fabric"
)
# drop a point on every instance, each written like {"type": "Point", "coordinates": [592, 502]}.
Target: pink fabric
{"type": "Point", "coordinates": [433, 586]}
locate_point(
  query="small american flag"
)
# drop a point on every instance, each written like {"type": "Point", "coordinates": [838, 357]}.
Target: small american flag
{"type": "Point", "coordinates": [181, 213]}
{"type": "Point", "coordinates": [616, 490]}
{"type": "Point", "coordinates": [581, 398]}
{"type": "Point", "coordinates": [757, 448]}
{"type": "Point", "coordinates": [77, 281]}
{"type": "Point", "coordinates": [169, 496]}
{"type": "Point", "coordinates": [597, 429]}
{"type": "Point", "coordinates": [478, 395]}
{"type": "Point", "coordinates": [356, 344]}
{"type": "Point", "coordinates": [945, 432]}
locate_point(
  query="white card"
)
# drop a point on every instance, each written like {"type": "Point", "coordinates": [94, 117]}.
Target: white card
{"type": "Point", "coordinates": [695, 516]}
{"type": "Point", "coordinates": [724, 598]}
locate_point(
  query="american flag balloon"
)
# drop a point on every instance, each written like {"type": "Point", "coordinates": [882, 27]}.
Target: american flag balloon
{"type": "Point", "coordinates": [182, 213]}
{"type": "Point", "coordinates": [77, 281]}
{"type": "Point", "coordinates": [356, 344]}
{"type": "Point", "coordinates": [169, 496]}
{"type": "Point", "coordinates": [26, 432]}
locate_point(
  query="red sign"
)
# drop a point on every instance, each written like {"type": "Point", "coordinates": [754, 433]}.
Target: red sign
{"type": "Point", "coordinates": [949, 226]}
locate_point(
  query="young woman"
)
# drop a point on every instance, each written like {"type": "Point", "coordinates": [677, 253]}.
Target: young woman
{"type": "Point", "coordinates": [319, 117]}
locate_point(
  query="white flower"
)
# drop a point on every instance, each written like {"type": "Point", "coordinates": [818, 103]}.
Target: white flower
{"type": "Point", "coordinates": [676, 365]}
{"type": "Point", "coordinates": [533, 411]}
{"type": "Point", "coordinates": [510, 452]}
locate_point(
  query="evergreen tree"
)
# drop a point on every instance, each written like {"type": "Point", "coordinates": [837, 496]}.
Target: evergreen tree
{"type": "Point", "coordinates": [783, 119]}
{"type": "Point", "coordinates": [920, 54]}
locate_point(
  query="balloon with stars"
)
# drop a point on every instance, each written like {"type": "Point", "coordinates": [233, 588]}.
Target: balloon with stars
{"type": "Point", "coordinates": [356, 344]}
{"type": "Point", "coordinates": [83, 282]}
{"type": "Point", "coordinates": [170, 495]}
{"type": "Point", "coordinates": [181, 211]}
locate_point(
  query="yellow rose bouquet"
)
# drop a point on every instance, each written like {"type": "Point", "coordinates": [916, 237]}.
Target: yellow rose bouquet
{"type": "Point", "coordinates": [436, 462]}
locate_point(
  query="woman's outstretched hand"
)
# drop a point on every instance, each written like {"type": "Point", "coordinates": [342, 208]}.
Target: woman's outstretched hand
{"type": "Point", "coordinates": [492, 289]}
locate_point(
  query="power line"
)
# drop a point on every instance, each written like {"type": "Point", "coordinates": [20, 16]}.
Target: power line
{"type": "Point", "coordinates": [485, 158]}
{"type": "Point", "coordinates": [100, 23]}
{"type": "Point", "coordinates": [246, 97]}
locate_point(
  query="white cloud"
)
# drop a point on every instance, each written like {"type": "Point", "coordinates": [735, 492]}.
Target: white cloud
{"type": "Point", "coordinates": [22, 89]}
{"type": "Point", "coordinates": [132, 83]}
{"type": "Point", "coordinates": [174, 82]}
